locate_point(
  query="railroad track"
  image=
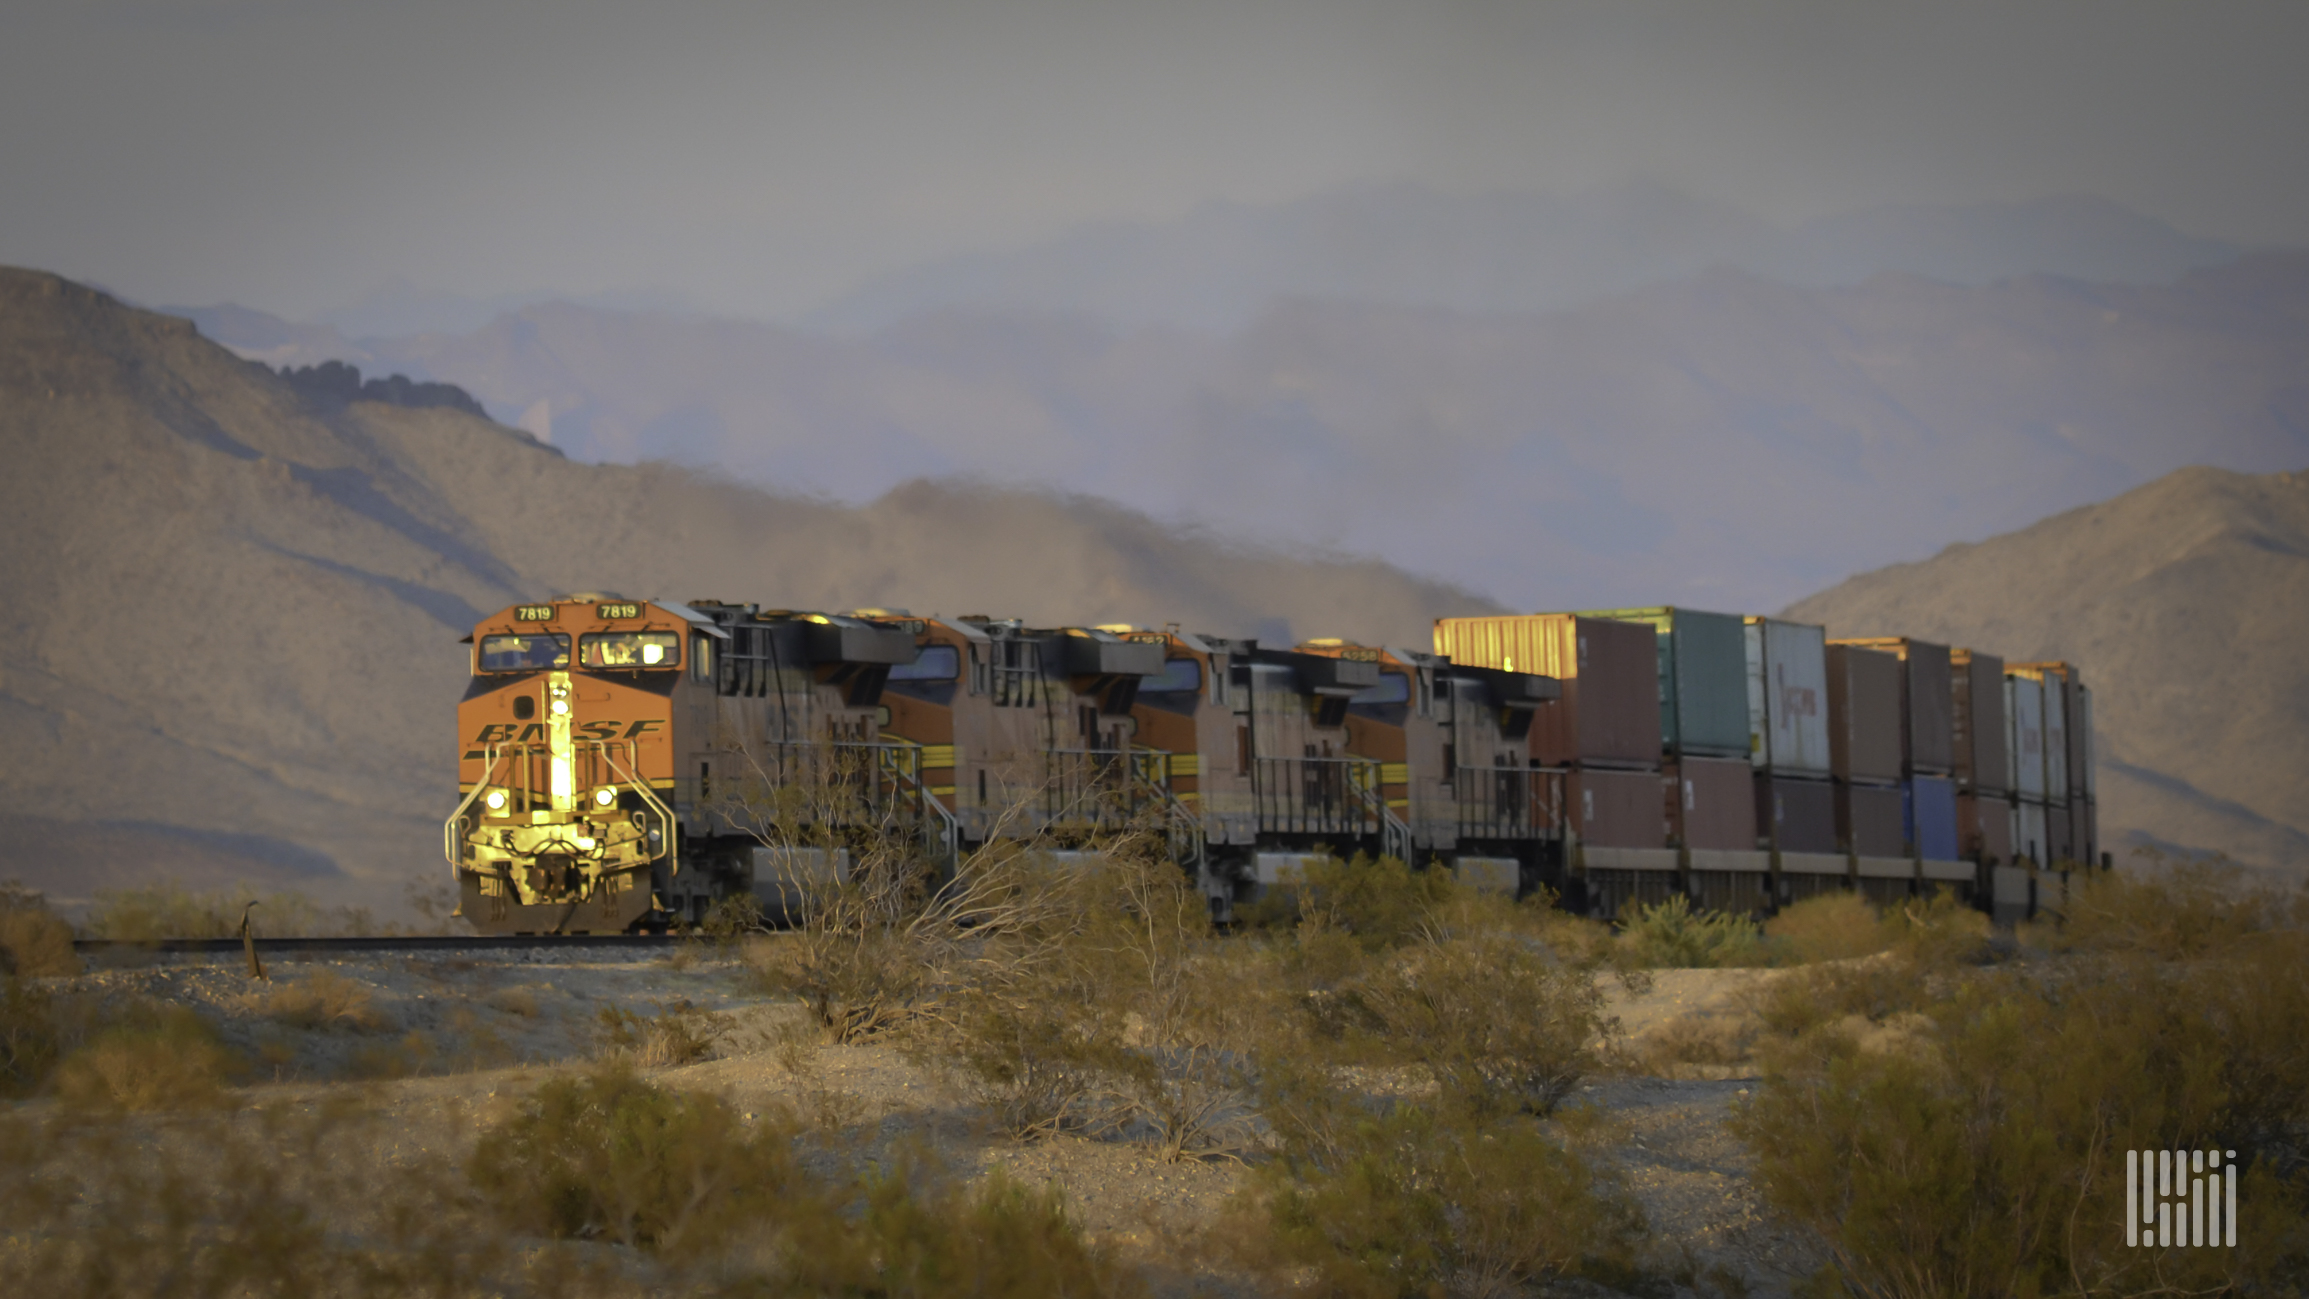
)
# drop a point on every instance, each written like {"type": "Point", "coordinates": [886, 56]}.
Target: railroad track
{"type": "Point", "coordinates": [394, 943]}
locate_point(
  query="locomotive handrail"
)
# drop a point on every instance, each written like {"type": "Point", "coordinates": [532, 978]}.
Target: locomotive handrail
{"type": "Point", "coordinates": [1394, 833]}
{"type": "Point", "coordinates": [649, 796]}
{"type": "Point", "coordinates": [949, 828]}
{"type": "Point", "coordinates": [1145, 763]}
{"type": "Point", "coordinates": [449, 841]}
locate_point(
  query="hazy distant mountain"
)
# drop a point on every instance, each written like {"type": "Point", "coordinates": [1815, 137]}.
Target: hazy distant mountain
{"type": "Point", "coordinates": [2185, 604]}
{"type": "Point", "coordinates": [1723, 441]}
{"type": "Point", "coordinates": [1218, 267]}
{"type": "Point", "coordinates": [229, 646]}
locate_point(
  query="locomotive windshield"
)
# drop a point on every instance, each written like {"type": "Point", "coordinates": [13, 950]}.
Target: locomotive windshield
{"type": "Point", "coordinates": [1177, 677]}
{"type": "Point", "coordinates": [937, 663]}
{"type": "Point", "coordinates": [526, 652]}
{"type": "Point", "coordinates": [1393, 688]}
{"type": "Point", "coordinates": [630, 649]}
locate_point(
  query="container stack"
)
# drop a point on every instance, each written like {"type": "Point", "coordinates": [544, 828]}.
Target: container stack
{"type": "Point", "coordinates": [2013, 886]}
{"type": "Point", "coordinates": [1928, 823]}
{"type": "Point", "coordinates": [1983, 773]}
{"type": "Point", "coordinates": [1789, 755]}
{"type": "Point", "coordinates": [1602, 737]}
{"type": "Point", "coordinates": [1704, 745]}
{"type": "Point", "coordinates": [2071, 827]}
{"type": "Point", "coordinates": [1864, 756]}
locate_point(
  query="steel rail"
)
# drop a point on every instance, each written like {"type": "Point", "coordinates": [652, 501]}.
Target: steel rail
{"type": "Point", "coordinates": [387, 943]}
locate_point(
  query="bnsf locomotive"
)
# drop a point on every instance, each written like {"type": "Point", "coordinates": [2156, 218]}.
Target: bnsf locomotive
{"type": "Point", "coordinates": [622, 759]}
{"type": "Point", "coordinates": [628, 763]}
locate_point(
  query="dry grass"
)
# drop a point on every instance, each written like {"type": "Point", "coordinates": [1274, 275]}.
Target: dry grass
{"type": "Point", "coordinates": [323, 999]}
{"type": "Point", "coordinates": [676, 1034]}
{"type": "Point", "coordinates": [157, 1059]}
{"type": "Point", "coordinates": [516, 1001]}
{"type": "Point", "coordinates": [35, 942]}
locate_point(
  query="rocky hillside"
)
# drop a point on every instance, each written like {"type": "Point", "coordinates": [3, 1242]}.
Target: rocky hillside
{"type": "Point", "coordinates": [230, 606]}
{"type": "Point", "coordinates": [2186, 605]}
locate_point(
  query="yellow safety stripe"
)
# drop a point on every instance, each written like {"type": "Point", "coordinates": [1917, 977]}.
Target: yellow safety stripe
{"type": "Point", "coordinates": [1394, 773]}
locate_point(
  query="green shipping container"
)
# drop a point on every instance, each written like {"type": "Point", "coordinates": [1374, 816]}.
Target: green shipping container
{"type": "Point", "coordinates": [1703, 679]}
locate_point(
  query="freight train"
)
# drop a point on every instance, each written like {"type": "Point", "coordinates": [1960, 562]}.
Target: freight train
{"type": "Point", "coordinates": [628, 763]}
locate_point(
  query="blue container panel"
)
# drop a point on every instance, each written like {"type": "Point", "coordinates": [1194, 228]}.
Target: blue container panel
{"type": "Point", "coordinates": [1928, 816]}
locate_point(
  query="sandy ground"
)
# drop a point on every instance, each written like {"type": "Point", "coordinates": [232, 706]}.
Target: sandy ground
{"type": "Point", "coordinates": [443, 1041]}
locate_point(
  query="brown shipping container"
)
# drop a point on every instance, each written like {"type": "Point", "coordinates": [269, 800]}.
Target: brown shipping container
{"type": "Point", "coordinates": [1798, 815]}
{"type": "Point", "coordinates": [1977, 731]}
{"type": "Point", "coordinates": [1863, 715]}
{"type": "Point", "coordinates": [1716, 802]}
{"type": "Point", "coordinates": [1609, 714]}
{"type": "Point", "coordinates": [1618, 809]}
{"type": "Point", "coordinates": [1984, 828]}
{"type": "Point", "coordinates": [1927, 705]}
{"type": "Point", "coordinates": [1868, 820]}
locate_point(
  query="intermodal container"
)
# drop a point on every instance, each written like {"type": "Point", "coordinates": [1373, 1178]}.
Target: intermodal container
{"type": "Point", "coordinates": [1716, 802]}
{"type": "Point", "coordinates": [1977, 727]}
{"type": "Point", "coordinates": [1927, 702]}
{"type": "Point", "coordinates": [2081, 762]}
{"type": "Point", "coordinates": [1928, 818]}
{"type": "Point", "coordinates": [1984, 824]}
{"type": "Point", "coordinates": [2024, 729]}
{"type": "Point", "coordinates": [2056, 682]}
{"type": "Point", "coordinates": [1609, 713]}
{"type": "Point", "coordinates": [1617, 809]}
{"type": "Point", "coordinates": [1796, 815]}
{"type": "Point", "coordinates": [2029, 833]}
{"type": "Point", "coordinates": [1787, 697]}
{"type": "Point", "coordinates": [1703, 665]}
{"type": "Point", "coordinates": [1863, 715]}
{"type": "Point", "coordinates": [1868, 820]}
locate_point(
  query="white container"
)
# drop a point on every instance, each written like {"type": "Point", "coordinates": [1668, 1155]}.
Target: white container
{"type": "Point", "coordinates": [2055, 742]}
{"type": "Point", "coordinates": [2029, 832]}
{"type": "Point", "coordinates": [1788, 697]}
{"type": "Point", "coordinates": [2024, 714]}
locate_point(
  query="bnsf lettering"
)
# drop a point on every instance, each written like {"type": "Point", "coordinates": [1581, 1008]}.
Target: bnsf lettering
{"type": "Point", "coordinates": [534, 733]}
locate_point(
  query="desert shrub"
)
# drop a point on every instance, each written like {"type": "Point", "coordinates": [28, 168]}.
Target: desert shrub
{"type": "Point", "coordinates": [1498, 1023]}
{"type": "Point", "coordinates": [2177, 912]}
{"type": "Point", "coordinates": [30, 1039]}
{"type": "Point", "coordinates": [35, 942]}
{"type": "Point", "coordinates": [1975, 1146]}
{"type": "Point", "coordinates": [167, 911]}
{"type": "Point", "coordinates": [1413, 1202]}
{"type": "Point", "coordinates": [323, 999]}
{"type": "Point", "coordinates": [606, 1154]}
{"type": "Point", "coordinates": [1378, 903]}
{"type": "Point", "coordinates": [165, 1058]}
{"type": "Point", "coordinates": [1827, 927]}
{"type": "Point", "coordinates": [1671, 935]}
{"type": "Point", "coordinates": [516, 1001]}
{"type": "Point", "coordinates": [1133, 1017]}
{"type": "Point", "coordinates": [999, 1239]}
{"type": "Point", "coordinates": [1939, 931]}
{"type": "Point", "coordinates": [676, 1034]}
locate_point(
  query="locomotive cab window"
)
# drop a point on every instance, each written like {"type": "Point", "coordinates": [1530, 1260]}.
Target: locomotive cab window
{"type": "Point", "coordinates": [1179, 676]}
{"type": "Point", "coordinates": [525, 652]}
{"type": "Point", "coordinates": [936, 663]}
{"type": "Point", "coordinates": [629, 649]}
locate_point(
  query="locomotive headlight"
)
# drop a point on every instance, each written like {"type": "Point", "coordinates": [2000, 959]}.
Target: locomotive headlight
{"type": "Point", "coordinates": [496, 800]}
{"type": "Point", "coordinates": [560, 707]}
{"type": "Point", "coordinates": [604, 796]}
{"type": "Point", "coordinates": [652, 653]}
{"type": "Point", "coordinates": [585, 843]}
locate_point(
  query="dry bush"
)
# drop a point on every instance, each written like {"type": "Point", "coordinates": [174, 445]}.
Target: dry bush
{"type": "Point", "coordinates": [35, 942]}
{"type": "Point", "coordinates": [1670, 935]}
{"type": "Point", "coordinates": [1498, 1023]}
{"type": "Point", "coordinates": [1378, 903]}
{"type": "Point", "coordinates": [408, 1056]}
{"type": "Point", "coordinates": [608, 1155]}
{"type": "Point", "coordinates": [516, 1001]}
{"type": "Point", "coordinates": [323, 999]}
{"type": "Point", "coordinates": [1415, 1203]}
{"type": "Point", "coordinates": [1972, 1143]}
{"type": "Point", "coordinates": [1939, 932]}
{"type": "Point", "coordinates": [2177, 912]}
{"type": "Point", "coordinates": [918, 1237]}
{"type": "Point", "coordinates": [30, 1038]}
{"type": "Point", "coordinates": [165, 1058]}
{"type": "Point", "coordinates": [676, 1034]}
{"type": "Point", "coordinates": [1697, 1045]}
{"type": "Point", "coordinates": [1827, 927]}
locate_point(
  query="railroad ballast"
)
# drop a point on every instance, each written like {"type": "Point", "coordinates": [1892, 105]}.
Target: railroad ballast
{"type": "Point", "coordinates": [625, 764]}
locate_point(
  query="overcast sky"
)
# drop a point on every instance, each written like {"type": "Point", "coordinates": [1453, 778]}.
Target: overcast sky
{"type": "Point", "coordinates": [759, 158]}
